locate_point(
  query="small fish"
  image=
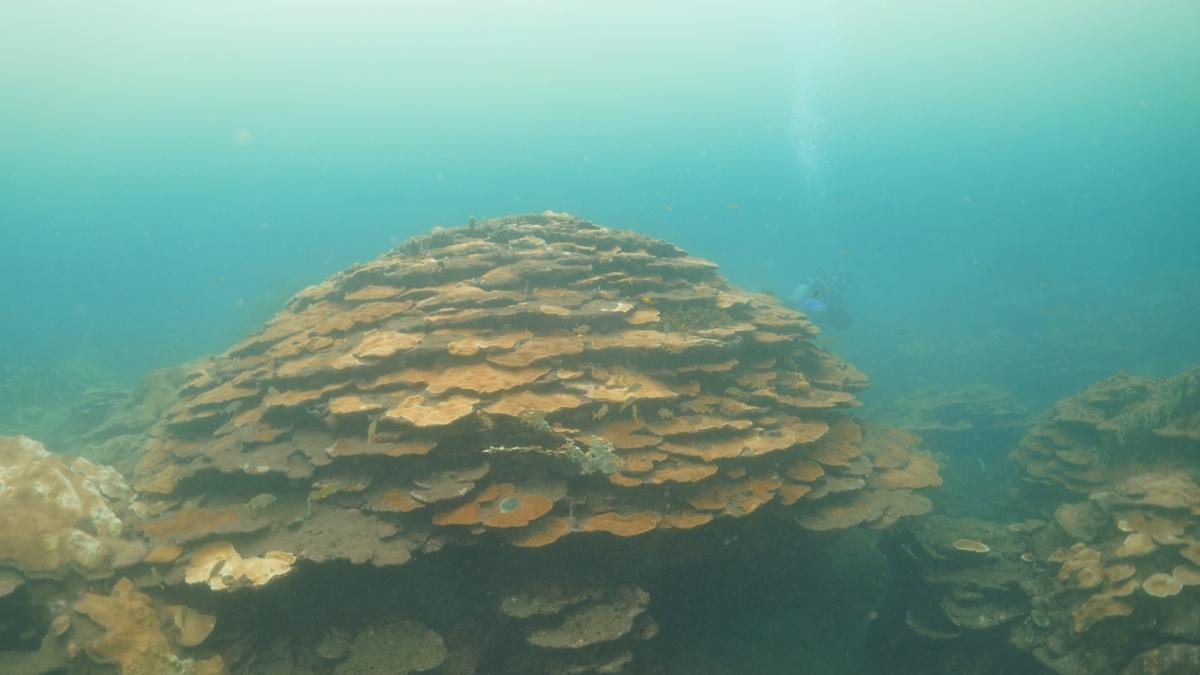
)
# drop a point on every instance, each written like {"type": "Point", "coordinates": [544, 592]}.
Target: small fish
{"type": "Point", "coordinates": [634, 412]}
{"type": "Point", "coordinates": [371, 429]}
{"type": "Point", "coordinates": [665, 414]}
{"type": "Point", "coordinates": [583, 329]}
{"type": "Point", "coordinates": [601, 412]}
{"type": "Point", "coordinates": [646, 299]}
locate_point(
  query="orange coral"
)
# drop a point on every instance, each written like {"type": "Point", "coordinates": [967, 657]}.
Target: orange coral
{"type": "Point", "coordinates": [539, 343]}
{"type": "Point", "coordinates": [421, 412]}
{"type": "Point", "coordinates": [134, 639]}
{"type": "Point", "coordinates": [622, 525]}
{"type": "Point", "coordinates": [519, 510]}
{"type": "Point", "coordinates": [543, 533]}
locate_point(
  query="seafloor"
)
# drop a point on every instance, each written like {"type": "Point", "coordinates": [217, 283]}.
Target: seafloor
{"type": "Point", "coordinates": [537, 445]}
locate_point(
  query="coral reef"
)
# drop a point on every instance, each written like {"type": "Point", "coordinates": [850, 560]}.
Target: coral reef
{"type": "Point", "coordinates": [396, 647]}
{"type": "Point", "coordinates": [1106, 567]}
{"type": "Point", "coordinates": [64, 528]}
{"type": "Point", "coordinates": [970, 430]}
{"type": "Point", "coordinates": [116, 438]}
{"type": "Point", "coordinates": [517, 380]}
{"type": "Point", "coordinates": [59, 517]}
{"type": "Point", "coordinates": [1115, 429]}
{"type": "Point", "coordinates": [79, 409]}
{"type": "Point", "coordinates": [955, 418]}
{"type": "Point", "coordinates": [56, 404]}
{"type": "Point", "coordinates": [134, 638]}
{"type": "Point", "coordinates": [524, 393]}
{"type": "Point", "coordinates": [585, 630]}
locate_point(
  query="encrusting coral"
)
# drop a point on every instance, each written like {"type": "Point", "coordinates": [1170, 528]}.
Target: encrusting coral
{"type": "Point", "coordinates": [59, 516]}
{"type": "Point", "coordinates": [64, 525]}
{"type": "Point", "coordinates": [134, 638]}
{"type": "Point", "coordinates": [571, 630]}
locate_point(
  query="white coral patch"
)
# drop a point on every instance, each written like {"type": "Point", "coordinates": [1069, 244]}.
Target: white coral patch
{"type": "Point", "coordinates": [106, 521]}
{"type": "Point", "coordinates": [28, 443]}
{"type": "Point", "coordinates": [67, 498]}
{"type": "Point", "coordinates": [50, 541]}
{"type": "Point", "coordinates": [85, 550]}
{"type": "Point", "coordinates": [68, 501]}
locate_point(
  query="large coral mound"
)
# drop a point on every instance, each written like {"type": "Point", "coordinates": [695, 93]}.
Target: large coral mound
{"type": "Point", "coordinates": [1115, 429]}
{"type": "Point", "coordinates": [524, 379]}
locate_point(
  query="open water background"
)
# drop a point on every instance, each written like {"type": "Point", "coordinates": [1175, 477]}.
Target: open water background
{"type": "Point", "coordinates": [1011, 186]}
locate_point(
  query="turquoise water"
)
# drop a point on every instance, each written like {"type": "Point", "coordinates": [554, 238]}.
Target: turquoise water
{"type": "Point", "coordinates": [1011, 187]}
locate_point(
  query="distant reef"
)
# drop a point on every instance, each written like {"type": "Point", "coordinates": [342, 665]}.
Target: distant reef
{"type": "Point", "coordinates": [1101, 572]}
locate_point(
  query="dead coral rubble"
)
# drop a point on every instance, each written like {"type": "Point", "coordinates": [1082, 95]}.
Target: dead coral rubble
{"type": "Point", "coordinates": [523, 379]}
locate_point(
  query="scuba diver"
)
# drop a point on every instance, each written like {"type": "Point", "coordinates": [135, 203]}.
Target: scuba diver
{"type": "Point", "coordinates": [823, 298]}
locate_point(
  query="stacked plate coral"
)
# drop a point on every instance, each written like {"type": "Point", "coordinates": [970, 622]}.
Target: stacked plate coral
{"type": "Point", "coordinates": [526, 378]}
